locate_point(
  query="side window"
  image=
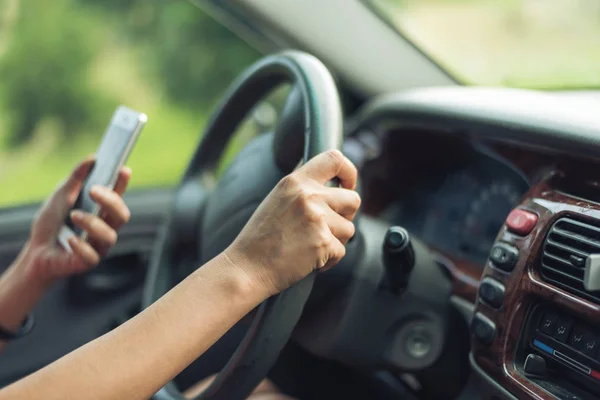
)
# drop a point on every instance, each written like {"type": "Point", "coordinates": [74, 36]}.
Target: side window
{"type": "Point", "coordinates": [65, 65]}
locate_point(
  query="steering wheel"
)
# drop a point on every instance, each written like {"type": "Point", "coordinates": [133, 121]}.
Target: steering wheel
{"type": "Point", "coordinates": [182, 239]}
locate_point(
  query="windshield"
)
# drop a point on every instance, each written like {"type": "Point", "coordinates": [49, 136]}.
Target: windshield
{"type": "Point", "coordinates": [538, 44]}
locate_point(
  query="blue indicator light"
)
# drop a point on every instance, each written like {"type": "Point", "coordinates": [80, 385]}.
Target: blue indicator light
{"type": "Point", "coordinates": [543, 347]}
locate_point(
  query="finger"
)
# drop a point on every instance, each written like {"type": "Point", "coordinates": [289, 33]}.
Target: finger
{"type": "Point", "coordinates": [331, 164]}
{"type": "Point", "coordinates": [59, 203]}
{"type": "Point", "coordinates": [343, 201]}
{"type": "Point", "coordinates": [340, 227]}
{"type": "Point", "coordinates": [97, 229]}
{"type": "Point", "coordinates": [84, 251]}
{"type": "Point", "coordinates": [81, 171]}
{"type": "Point", "coordinates": [114, 209]}
{"type": "Point", "coordinates": [337, 252]}
{"type": "Point", "coordinates": [122, 181]}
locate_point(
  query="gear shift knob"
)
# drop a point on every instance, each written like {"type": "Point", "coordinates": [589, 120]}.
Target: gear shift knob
{"type": "Point", "coordinates": [398, 258]}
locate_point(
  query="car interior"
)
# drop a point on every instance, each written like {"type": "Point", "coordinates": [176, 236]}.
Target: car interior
{"type": "Point", "coordinates": [489, 187]}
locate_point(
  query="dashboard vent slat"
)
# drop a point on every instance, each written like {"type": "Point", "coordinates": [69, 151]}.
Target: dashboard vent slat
{"type": "Point", "coordinates": [576, 239]}
{"type": "Point", "coordinates": [566, 247]}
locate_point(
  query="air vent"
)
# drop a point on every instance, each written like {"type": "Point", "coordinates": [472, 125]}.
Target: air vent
{"type": "Point", "coordinates": [566, 248]}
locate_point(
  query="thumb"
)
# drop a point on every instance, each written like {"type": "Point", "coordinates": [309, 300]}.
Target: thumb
{"type": "Point", "coordinates": [57, 206]}
{"type": "Point", "coordinates": [72, 185]}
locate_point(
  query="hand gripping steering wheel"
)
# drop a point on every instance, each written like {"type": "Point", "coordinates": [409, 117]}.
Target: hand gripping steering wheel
{"type": "Point", "coordinates": [275, 318]}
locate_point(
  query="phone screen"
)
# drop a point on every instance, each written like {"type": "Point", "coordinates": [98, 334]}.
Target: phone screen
{"type": "Point", "coordinates": [110, 157]}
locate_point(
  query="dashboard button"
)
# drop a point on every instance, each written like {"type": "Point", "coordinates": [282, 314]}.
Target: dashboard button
{"type": "Point", "coordinates": [504, 256]}
{"type": "Point", "coordinates": [547, 323]}
{"type": "Point", "coordinates": [535, 366]}
{"type": "Point", "coordinates": [584, 341]}
{"type": "Point", "coordinates": [492, 292]}
{"type": "Point", "coordinates": [562, 329]}
{"type": "Point", "coordinates": [483, 329]}
{"type": "Point", "coordinates": [521, 222]}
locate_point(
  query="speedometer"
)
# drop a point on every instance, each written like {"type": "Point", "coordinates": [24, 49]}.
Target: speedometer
{"type": "Point", "coordinates": [460, 211]}
{"type": "Point", "coordinates": [447, 208]}
{"type": "Point", "coordinates": [485, 215]}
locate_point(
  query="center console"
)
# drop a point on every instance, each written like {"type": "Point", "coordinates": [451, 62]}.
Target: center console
{"type": "Point", "coordinates": [536, 325]}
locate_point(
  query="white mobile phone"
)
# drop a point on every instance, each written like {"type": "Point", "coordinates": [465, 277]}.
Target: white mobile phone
{"type": "Point", "coordinates": [117, 143]}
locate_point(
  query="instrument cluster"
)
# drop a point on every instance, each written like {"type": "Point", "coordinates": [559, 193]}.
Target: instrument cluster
{"type": "Point", "coordinates": [460, 211]}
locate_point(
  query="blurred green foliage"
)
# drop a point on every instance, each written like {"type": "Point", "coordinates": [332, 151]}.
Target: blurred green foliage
{"type": "Point", "coordinates": [44, 70]}
{"type": "Point", "coordinates": [53, 45]}
{"type": "Point", "coordinates": [65, 65]}
{"type": "Point", "coordinates": [185, 49]}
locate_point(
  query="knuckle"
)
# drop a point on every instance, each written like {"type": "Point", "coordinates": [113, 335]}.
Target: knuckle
{"type": "Point", "coordinates": [323, 240]}
{"type": "Point", "coordinates": [356, 201]}
{"type": "Point", "coordinates": [335, 156]}
{"type": "Point", "coordinates": [126, 215]}
{"type": "Point", "coordinates": [340, 253]}
{"type": "Point", "coordinates": [350, 231]}
{"type": "Point", "coordinates": [290, 182]}
{"type": "Point", "coordinates": [306, 197]}
{"type": "Point", "coordinates": [315, 216]}
{"type": "Point", "coordinates": [111, 237]}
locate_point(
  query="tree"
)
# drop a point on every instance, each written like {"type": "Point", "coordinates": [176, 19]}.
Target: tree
{"type": "Point", "coordinates": [44, 68]}
{"type": "Point", "coordinates": [192, 56]}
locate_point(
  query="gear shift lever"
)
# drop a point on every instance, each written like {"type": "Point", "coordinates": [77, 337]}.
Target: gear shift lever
{"type": "Point", "coordinates": [398, 259]}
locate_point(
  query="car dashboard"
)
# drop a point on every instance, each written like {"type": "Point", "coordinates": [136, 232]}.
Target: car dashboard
{"type": "Point", "coordinates": [455, 198]}
{"type": "Point", "coordinates": [450, 165]}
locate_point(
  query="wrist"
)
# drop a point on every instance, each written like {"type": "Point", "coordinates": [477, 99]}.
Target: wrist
{"type": "Point", "coordinates": [246, 274]}
{"type": "Point", "coordinates": [24, 271]}
{"type": "Point", "coordinates": [19, 293]}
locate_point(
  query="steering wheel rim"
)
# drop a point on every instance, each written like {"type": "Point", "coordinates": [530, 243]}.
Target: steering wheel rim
{"type": "Point", "coordinates": [275, 318]}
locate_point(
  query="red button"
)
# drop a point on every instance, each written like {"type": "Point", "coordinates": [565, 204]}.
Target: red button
{"type": "Point", "coordinates": [521, 222]}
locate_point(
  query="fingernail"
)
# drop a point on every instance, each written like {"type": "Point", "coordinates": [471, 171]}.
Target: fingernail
{"type": "Point", "coordinates": [76, 215]}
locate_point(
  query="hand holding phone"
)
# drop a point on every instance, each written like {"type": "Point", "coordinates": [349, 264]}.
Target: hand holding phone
{"type": "Point", "coordinates": [117, 143]}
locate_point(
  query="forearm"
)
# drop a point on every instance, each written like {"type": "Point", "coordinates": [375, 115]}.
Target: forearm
{"type": "Point", "coordinates": [18, 295]}
{"type": "Point", "coordinates": [138, 358]}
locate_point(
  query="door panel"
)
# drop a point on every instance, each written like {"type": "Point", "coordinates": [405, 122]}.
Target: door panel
{"type": "Point", "coordinates": [76, 311]}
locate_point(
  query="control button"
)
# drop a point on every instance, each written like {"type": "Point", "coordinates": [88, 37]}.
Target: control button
{"type": "Point", "coordinates": [419, 342]}
{"type": "Point", "coordinates": [504, 256]}
{"type": "Point", "coordinates": [521, 222]}
{"type": "Point", "coordinates": [547, 323]}
{"type": "Point", "coordinates": [543, 347]}
{"type": "Point", "coordinates": [562, 329]}
{"type": "Point", "coordinates": [535, 366]}
{"type": "Point", "coordinates": [483, 328]}
{"type": "Point", "coordinates": [584, 341]}
{"type": "Point", "coordinates": [591, 345]}
{"type": "Point", "coordinates": [492, 292]}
